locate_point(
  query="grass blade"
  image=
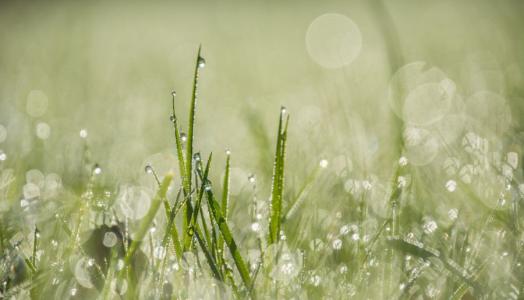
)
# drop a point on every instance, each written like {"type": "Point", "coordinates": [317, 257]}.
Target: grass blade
{"type": "Point", "coordinates": [278, 180]}
{"type": "Point", "coordinates": [228, 239]}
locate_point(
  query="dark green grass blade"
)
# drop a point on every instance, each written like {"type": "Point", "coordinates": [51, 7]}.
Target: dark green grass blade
{"type": "Point", "coordinates": [196, 209]}
{"type": "Point", "coordinates": [228, 238]}
{"type": "Point", "coordinates": [278, 181]}
{"type": "Point", "coordinates": [225, 198]}
{"type": "Point", "coordinates": [190, 129]}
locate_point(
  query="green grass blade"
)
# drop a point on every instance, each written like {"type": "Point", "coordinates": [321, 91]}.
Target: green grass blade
{"type": "Point", "coordinates": [225, 197]}
{"type": "Point", "coordinates": [228, 239]}
{"type": "Point", "coordinates": [196, 209]}
{"type": "Point", "coordinates": [278, 180]}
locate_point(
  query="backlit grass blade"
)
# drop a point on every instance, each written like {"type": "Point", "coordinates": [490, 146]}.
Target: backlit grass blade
{"type": "Point", "coordinates": [225, 197]}
{"type": "Point", "coordinates": [196, 209]}
{"type": "Point", "coordinates": [228, 238]}
{"type": "Point", "coordinates": [278, 180]}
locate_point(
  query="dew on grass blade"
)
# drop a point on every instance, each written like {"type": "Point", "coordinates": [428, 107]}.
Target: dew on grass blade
{"type": "Point", "coordinates": [453, 214]}
{"type": "Point", "coordinates": [430, 226]}
{"type": "Point", "coordinates": [451, 185]}
{"type": "Point", "coordinates": [337, 244]}
{"type": "Point", "coordinates": [148, 169]}
{"type": "Point", "coordinates": [110, 239]}
{"type": "Point", "coordinates": [201, 62]}
{"type": "Point", "coordinates": [97, 170]}
{"type": "Point", "coordinates": [251, 178]}
{"type": "Point", "coordinates": [3, 155]}
{"type": "Point", "coordinates": [83, 133]}
{"type": "Point", "coordinates": [323, 163]}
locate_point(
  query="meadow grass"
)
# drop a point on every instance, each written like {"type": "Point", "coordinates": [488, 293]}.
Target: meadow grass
{"type": "Point", "coordinates": [288, 246]}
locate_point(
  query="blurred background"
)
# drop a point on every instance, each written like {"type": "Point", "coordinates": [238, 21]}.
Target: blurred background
{"type": "Point", "coordinates": [109, 68]}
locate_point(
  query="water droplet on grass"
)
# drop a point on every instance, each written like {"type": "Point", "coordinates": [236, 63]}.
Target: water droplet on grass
{"type": "Point", "coordinates": [451, 185]}
{"type": "Point", "coordinates": [255, 227]}
{"type": "Point", "coordinates": [403, 161]}
{"type": "Point", "coordinates": [97, 170]}
{"type": "Point", "coordinates": [323, 163]}
{"type": "Point", "coordinates": [430, 226]}
{"type": "Point", "coordinates": [110, 239]}
{"type": "Point", "coordinates": [251, 178]}
{"type": "Point", "coordinates": [3, 155]}
{"type": "Point", "coordinates": [453, 214]}
{"type": "Point", "coordinates": [201, 62]}
{"type": "Point", "coordinates": [337, 244]}
{"type": "Point", "coordinates": [83, 133]}
{"type": "Point", "coordinates": [148, 169]}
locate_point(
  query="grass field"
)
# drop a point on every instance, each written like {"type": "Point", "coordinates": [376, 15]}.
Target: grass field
{"type": "Point", "coordinates": [337, 150]}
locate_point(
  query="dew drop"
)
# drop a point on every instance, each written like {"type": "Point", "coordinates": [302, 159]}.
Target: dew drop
{"type": "Point", "coordinates": [172, 118]}
{"type": "Point", "coordinates": [228, 152]}
{"type": "Point", "coordinates": [344, 230]}
{"type": "Point", "coordinates": [453, 214]}
{"type": "Point", "coordinates": [183, 137]}
{"type": "Point", "coordinates": [148, 169]}
{"type": "Point", "coordinates": [337, 244]}
{"type": "Point", "coordinates": [110, 239]}
{"type": "Point", "coordinates": [430, 226]}
{"type": "Point", "coordinates": [451, 185]}
{"type": "Point", "coordinates": [323, 163]}
{"type": "Point", "coordinates": [97, 170]}
{"type": "Point", "coordinates": [73, 291]}
{"type": "Point", "coordinates": [201, 62]}
{"type": "Point", "coordinates": [513, 159]}
{"type": "Point", "coordinates": [83, 133]}
{"type": "Point", "coordinates": [3, 156]}
{"type": "Point", "coordinates": [251, 178]}
{"type": "Point", "coordinates": [173, 93]}
{"type": "Point", "coordinates": [315, 280]}
{"type": "Point", "coordinates": [255, 227]}
{"type": "Point", "coordinates": [402, 181]}
{"type": "Point", "coordinates": [402, 161]}
{"type": "Point", "coordinates": [283, 110]}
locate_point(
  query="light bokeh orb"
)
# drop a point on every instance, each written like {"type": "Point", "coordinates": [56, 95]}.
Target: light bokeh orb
{"type": "Point", "coordinates": [333, 40]}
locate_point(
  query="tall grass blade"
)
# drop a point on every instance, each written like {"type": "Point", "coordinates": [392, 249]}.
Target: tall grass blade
{"type": "Point", "coordinates": [278, 180]}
